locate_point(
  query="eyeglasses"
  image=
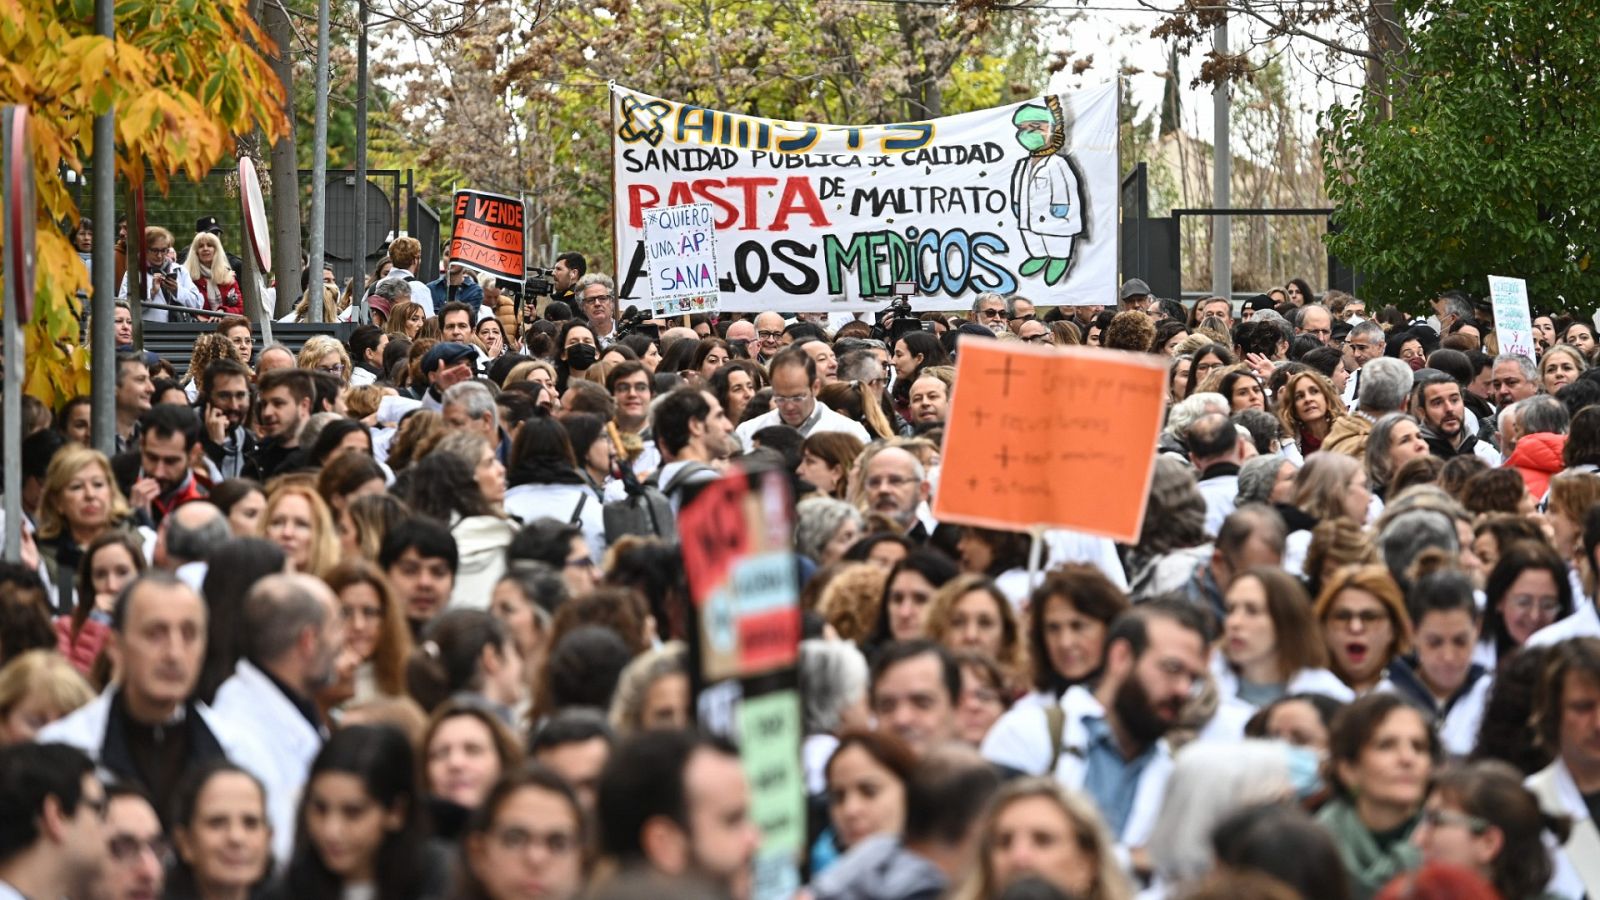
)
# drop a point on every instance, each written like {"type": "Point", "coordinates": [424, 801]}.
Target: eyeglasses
{"type": "Point", "coordinates": [894, 481]}
{"type": "Point", "coordinates": [993, 314]}
{"type": "Point", "coordinates": [1042, 337]}
{"type": "Point", "coordinates": [795, 400]}
{"type": "Point", "coordinates": [336, 369]}
{"type": "Point", "coordinates": [1368, 618]}
{"type": "Point", "coordinates": [769, 335]}
{"type": "Point", "coordinates": [1524, 604]}
{"type": "Point", "coordinates": [126, 848]}
{"type": "Point", "coordinates": [520, 840]}
{"type": "Point", "coordinates": [579, 562]}
{"type": "Point", "coordinates": [1437, 818]}
{"type": "Point", "coordinates": [599, 298]}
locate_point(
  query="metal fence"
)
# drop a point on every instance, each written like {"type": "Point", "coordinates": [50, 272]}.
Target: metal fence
{"type": "Point", "coordinates": [392, 207]}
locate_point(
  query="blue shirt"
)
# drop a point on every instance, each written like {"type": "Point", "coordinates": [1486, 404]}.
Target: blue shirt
{"type": "Point", "coordinates": [1111, 780]}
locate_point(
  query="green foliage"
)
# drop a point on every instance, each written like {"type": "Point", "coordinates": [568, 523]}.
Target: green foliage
{"type": "Point", "coordinates": [1487, 164]}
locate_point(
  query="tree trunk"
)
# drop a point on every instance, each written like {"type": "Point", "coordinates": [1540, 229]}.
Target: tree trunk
{"type": "Point", "coordinates": [285, 172]}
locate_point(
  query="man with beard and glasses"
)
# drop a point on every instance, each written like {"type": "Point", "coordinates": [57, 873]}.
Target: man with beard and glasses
{"type": "Point", "coordinates": [1110, 743]}
{"type": "Point", "coordinates": [292, 633]}
{"type": "Point", "coordinates": [1437, 403]}
{"type": "Point", "coordinates": [225, 405]}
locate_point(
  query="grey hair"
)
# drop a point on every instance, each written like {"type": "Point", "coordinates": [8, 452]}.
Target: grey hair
{"type": "Point", "coordinates": [276, 345]}
{"type": "Point", "coordinates": [818, 519]}
{"type": "Point", "coordinates": [1385, 382]}
{"type": "Point", "coordinates": [1176, 516]}
{"type": "Point", "coordinates": [858, 365]}
{"type": "Point", "coordinates": [1272, 315]}
{"type": "Point", "coordinates": [393, 289]}
{"type": "Point", "coordinates": [633, 685]}
{"type": "Point", "coordinates": [468, 445]}
{"type": "Point", "coordinates": [833, 676]}
{"type": "Point", "coordinates": [1257, 477]}
{"type": "Point", "coordinates": [314, 426]}
{"type": "Point", "coordinates": [1408, 534]}
{"type": "Point", "coordinates": [1210, 780]}
{"type": "Point", "coordinates": [1300, 314]}
{"type": "Point", "coordinates": [595, 278]}
{"type": "Point", "coordinates": [986, 296]}
{"type": "Point", "coordinates": [1543, 414]}
{"type": "Point", "coordinates": [541, 583]}
{"type": "Point", "coordinates": [1530, 369]}
{"type": "Point", "coordinates": [1365, 330]}
{"type": "Point", "coordinates": [475, 400]}
{"type": "Point", "coordinates": [1456, 305]}
{"type": "Point", "coordinates": [1193, 407]}
{"type": "Point", "coordinates": [277, 609]}
{"type": "Point", "coordinates": [194, 543]}
{"type": "Point", "coordinates": [1380, 467]}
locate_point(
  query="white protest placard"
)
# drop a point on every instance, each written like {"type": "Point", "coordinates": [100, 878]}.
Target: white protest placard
{"type": "Point", "coordinates": [818, 217]}
{"type": "Point", "coordinates": [681, 244]}
{"type": "Point", "coordinates": [1513, 322]}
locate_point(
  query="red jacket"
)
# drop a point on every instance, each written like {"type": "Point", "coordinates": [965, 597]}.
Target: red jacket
{"type": "Point", "coordinates": [86, 649]}
{"type": "Point", "coordinates": [228, 299]}
{"type": "Point", "coordinates": [1537, 457]}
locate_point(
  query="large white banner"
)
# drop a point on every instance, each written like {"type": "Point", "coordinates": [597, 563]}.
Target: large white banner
{"type": "Point", "coordinates": [1019, 199]}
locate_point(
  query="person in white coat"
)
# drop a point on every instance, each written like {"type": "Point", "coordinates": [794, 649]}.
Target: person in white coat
{"type": "Point", "coordinates": [292, 632]}
{"type": "Point", "coordinates": [545, 483]}
{"type": "Point", "coordinates": [147, 728]}
{"type": "Point", "coordinates": [1044, 193]}
{"type": "Point", "coordinates": [1111, 743]}
{"type": "Point", "coordinates": [1217, 453]}
{"type": "Point", "coordinates": [165, 281]}
{"type": "Point", "coordinates": [1271, 647]}
{"type": "Point", "coordinates": [795, 385]}
{"type": "Point", "coordinates": [1567, 720]}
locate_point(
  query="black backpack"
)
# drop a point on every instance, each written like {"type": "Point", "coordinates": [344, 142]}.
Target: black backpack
{"type": "Point", "coordinates": [647, 510]}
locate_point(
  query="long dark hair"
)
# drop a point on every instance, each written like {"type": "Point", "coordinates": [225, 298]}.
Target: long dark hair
{"type": "Point", "coordinates": [932, 565]}
{"type": "Point", "coordinates": [231, 568]}
{"type": "Point", "coordinates": [442, 485]}
{"type": "Point", "coordinates": [925, 345]}
{"type": "Point", "coordinates": [380, 757]}
{"type": "Point", "coordinates": [1088, 591]}
{"type": "Point", "coordinates": [447, 661]}
{"type": "Point", "coordinates": [1515, 559]}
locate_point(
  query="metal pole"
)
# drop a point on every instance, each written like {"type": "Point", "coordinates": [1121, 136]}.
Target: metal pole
{"type": "Point", "coordinates": [11, 393]}
{"type": "Point", "coordinates": [286, 237]}
{"type": "Point", "coordinates": [319, 170]}
{"type": "Point", "coordinates": [361, 163]}
{"type": "Point", "coordinates": [102, 335]}
{"type": "Point", "coordinates": [1221, 236]}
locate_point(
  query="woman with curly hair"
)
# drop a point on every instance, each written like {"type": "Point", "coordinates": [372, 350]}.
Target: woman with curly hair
{"type": "Point", "coordinates": [850, 601]}
{"type": "Point", "coordinates": [208, 348]}
{"type": "Point", "coordinates": [970, 613]}
{"type": "Point", "coordinates": [1307, 409]}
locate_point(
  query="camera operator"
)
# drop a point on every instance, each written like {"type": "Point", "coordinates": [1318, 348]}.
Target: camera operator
{"type": "Point", "coordinates": [564, 275]}
{"type": "Point", "coordinates": [165, 281]}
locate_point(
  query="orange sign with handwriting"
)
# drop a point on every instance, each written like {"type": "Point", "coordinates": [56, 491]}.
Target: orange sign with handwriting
{"type": "Point", "coordinates": [1051, 438]}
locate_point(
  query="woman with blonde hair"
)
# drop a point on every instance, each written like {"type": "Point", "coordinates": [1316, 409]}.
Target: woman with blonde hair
{"type": "Point", "coordinates": [1307, 408]}
{"type": "Point", "coordinates": [406, 319]}
{"type": "Point", "coordinates": [37, 688]}
{"type": "Point", "coordinates": [325, 353]}
{"type": "Point", "coordinates": [330, 304]}
{"type": "Point", "coordinates": [1335, 544]}
{"type": "Point", "coordinates": [80, 501]}
{"type": "Point", "coordinates": [1328, 486]}
{"type": "Point", "coordinates": [208, 268]}
{"type": "Point", "coordinates": [298, 521]}
{"type": "Point", "coordinates": [377, 641]}
{"type": "Point", "coordinates": [1560, 366]}
{"type": "Point", "coordinates": [1033, 814]}
{"type": "Point", "coordinates": [970, 613]}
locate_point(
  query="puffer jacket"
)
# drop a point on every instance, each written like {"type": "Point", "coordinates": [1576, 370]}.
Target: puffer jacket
{"type": "Point", "coordinates": [1537, 457]}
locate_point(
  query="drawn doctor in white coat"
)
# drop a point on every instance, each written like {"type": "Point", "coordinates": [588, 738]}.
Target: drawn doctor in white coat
{"type": "Point", "coordinates": [1044, 194]}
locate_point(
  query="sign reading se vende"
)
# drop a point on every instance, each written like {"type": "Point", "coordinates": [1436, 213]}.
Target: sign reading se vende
{"type": "Point", "coordinates": [1047, 438]}
{"type": "Point", "coordinates": [487, 235]}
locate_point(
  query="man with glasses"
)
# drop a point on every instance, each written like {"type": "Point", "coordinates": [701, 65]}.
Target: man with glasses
{"type": "Point", "coordinates": [1114, 733]}
{"type": "Point", "coordinates": [136, 848]}
{"type": "Point", "coordinates": [225, 405]}
{"type": "Point", "coordinates": [53, 843]}
{"type": "Point", "coordinates": [795, 383]}
{"type": "Point", "coordinates": [1365, 342]}
{"type": "Point", "coordinates": [897, 489]}
{"type": "Point", "coordinates": [769, 336]}
{"type": "Point", "coordinates": [1022, 310]}
{"type": "Point", "coordinates": [1032, 331]}
{"type": "Point", "coordinates": [992, 311]}
{"type": "Point", "coordinates": [597, 300]}
{"type": "Point", "coordinates": [1315, 321]}
{"type": "Point", "coordinates": [166, 282]}
{"type": "Point", "coordinates": [1135, 294]}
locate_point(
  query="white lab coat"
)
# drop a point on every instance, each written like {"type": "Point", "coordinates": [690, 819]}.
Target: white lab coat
{"type": "Point", "coordinates": [1041, 186]}
{"type": "Point", "coordinates": [274, 726]}
{"type": "Point", "coordinates": [85, 728]}
{"type": "Point", "coordinates": [1021, 741]}
{"type": "Point", "coordinates": [558, 501]}
{"type": "Point", "coordinates": [1305, 681]}
{"type": "Point", "coordinates": [1578, 860]}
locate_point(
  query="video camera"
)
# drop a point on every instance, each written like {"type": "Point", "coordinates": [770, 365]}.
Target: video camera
{"type": "Point", "coordinates": [898, 317]}
{"type": "Point", "coordinates": [633, 322]}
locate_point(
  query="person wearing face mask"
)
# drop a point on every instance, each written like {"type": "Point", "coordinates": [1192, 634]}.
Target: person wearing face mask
{"type": "Point", "coordinates": [1044, 194]}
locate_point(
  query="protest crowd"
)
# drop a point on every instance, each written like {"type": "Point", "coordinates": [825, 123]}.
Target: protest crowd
{"type": "Point", "coordinates": [403, 616]}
